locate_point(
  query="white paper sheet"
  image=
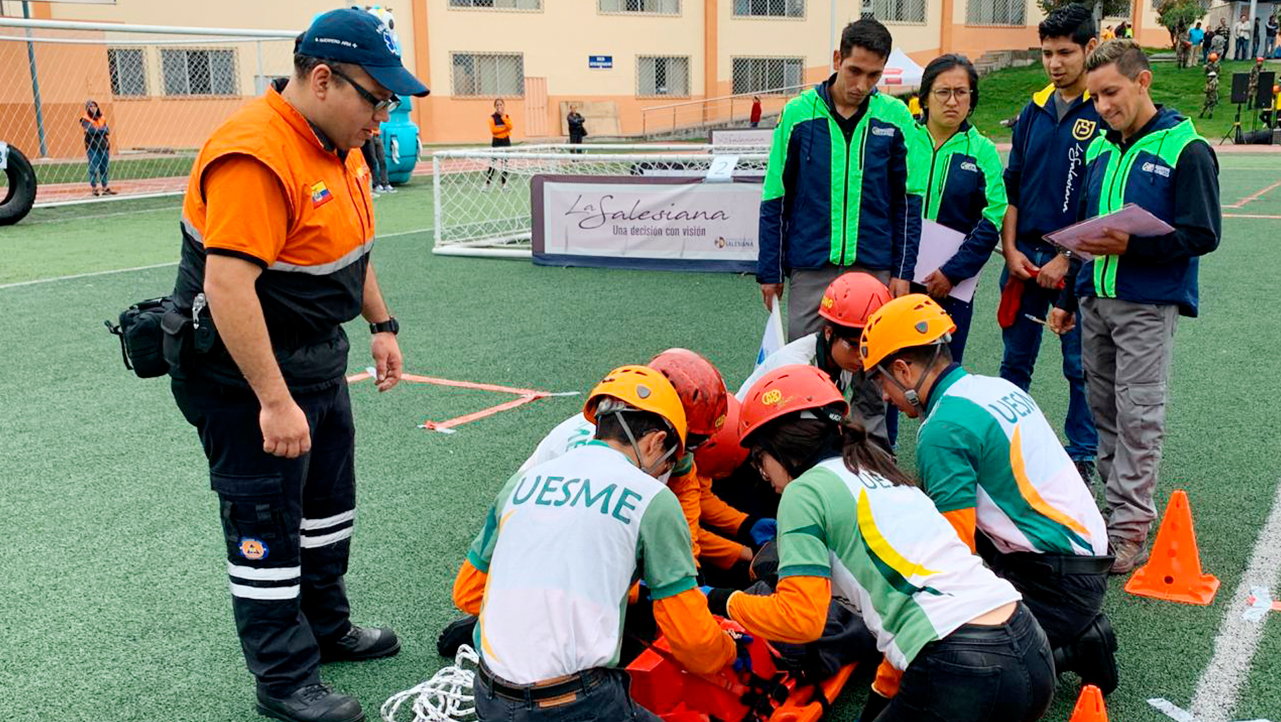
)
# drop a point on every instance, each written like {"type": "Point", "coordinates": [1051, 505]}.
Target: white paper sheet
{"type": "Point", "coordinates": [1128, 218]}
{"type": "Point", "coordinates": [938, 244]}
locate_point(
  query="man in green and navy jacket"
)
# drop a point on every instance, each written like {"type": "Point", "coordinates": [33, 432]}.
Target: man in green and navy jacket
{"type": "Point", "coordinates": [1132, 291]}
{"type": "Point", "coordinates": [837, 193]}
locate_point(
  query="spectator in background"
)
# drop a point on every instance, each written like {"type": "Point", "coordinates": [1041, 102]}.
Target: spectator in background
{"type": "Point", "coordinates": [756, 110]}
{"type": "Point", "coordinates": [1196, 36]}
{"type": "Point", "coordinates": [1219, 45]}
{"type": "Point", "coordinates": [1254, 47]}
{"type": "Point", "coordinates": [376, 156]}
{"type": "Point", "coordinates": [1108, 34]}
{"type": "Point", "coordinates": [1270, 36]}
{"type": "Point", "coordinates": [577, 127]}
{"type": "Point", "coordinates": [500, 128]}
{"type": "Point", "coordinates": [97, 145]}
{"type": "Point", "coordinates": [1242, 33]}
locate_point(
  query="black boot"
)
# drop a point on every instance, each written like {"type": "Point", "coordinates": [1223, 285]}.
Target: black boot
{"type": "Point", "coordinates": [360, 643]}
{"type": "Point", "coordinates": [454, 635]}
{"type": "Point", "coordinates": [1092, 656]}
{"type": "Point", "coordinates": [312, 703]}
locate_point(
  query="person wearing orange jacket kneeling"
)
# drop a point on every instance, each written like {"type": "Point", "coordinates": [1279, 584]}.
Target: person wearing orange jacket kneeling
{"type": "Point", "coordinates": [957, 640]}
{"type": "Point", "coordinates": [549, 573]}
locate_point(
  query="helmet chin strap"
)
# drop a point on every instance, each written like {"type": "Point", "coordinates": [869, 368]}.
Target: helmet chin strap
{"type": "Point", "coordinates": [631, 438]}
{"type": "Point", "coordinates": [913, 395]}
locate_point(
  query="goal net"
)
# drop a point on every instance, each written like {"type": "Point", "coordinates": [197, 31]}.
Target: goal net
{"type": "Point", "coordinates": [161, 92]}
{"type": "Point", "coordinates": [482, 195]}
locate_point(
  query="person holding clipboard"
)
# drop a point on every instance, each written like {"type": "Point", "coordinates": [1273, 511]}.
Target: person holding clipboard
{"type": "Point", "coordinates": [1133, 289]}
{"type": "Point", "coordinates": [961, 172]}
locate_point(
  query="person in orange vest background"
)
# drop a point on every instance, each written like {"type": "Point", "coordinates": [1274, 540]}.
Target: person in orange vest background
{"type": "Point", "coordinates": [97, 145]}
{"type": "Point", "coordinates": [500, 127]}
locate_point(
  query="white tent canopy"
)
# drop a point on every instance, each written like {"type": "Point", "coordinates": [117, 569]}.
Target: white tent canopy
{"type": "Point", "coordinates": [900, 72]}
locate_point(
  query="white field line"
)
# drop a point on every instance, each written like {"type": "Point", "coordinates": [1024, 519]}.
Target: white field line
{"type": "Point", "coordinates": [1238, 639]}
{"type": "Point", "coordinates": [74, 276]}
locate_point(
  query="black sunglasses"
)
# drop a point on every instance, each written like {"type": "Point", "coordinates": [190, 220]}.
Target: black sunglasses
{"type": "Point", "coordinates": [388, 105]}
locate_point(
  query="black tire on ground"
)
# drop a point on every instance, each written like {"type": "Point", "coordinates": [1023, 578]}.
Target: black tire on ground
{"type": "Point", "coordinates": [20, 195]}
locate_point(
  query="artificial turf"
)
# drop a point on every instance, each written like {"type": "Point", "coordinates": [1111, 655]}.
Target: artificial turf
{"type": "Point", "coordinates": [116, 604]}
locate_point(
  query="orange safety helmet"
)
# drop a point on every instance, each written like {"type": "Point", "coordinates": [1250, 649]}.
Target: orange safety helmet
{"type": "Point", "coordinates": [907, 321]}
{"type": "Point", "coordinates": [787, 390]}
{"type": "Point", "coordinates": [1214, 57]}
{"type": "Point", "coordinates": [644, 389]}
{"type": "Point", "coordinates": [720, 455]}
{"type": "Point", "coordinates": [700, 386]}
{"type": "Point", "coordinates": [852, 298]}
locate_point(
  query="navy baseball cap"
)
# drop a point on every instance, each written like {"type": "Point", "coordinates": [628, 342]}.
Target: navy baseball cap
{"type": "Point", "coordinates": [357, 37]}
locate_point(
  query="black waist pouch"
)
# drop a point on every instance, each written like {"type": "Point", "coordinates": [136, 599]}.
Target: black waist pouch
{"type": "Point", "coordinates": [142, 338]}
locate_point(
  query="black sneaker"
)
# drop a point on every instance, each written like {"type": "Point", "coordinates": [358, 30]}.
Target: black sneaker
{"type": "Point", "coordinates": [312, 703]}
{"type": "Point", "coordinates": [1085, 468]}
{"type": "Point", "coordinates": [360, 643]}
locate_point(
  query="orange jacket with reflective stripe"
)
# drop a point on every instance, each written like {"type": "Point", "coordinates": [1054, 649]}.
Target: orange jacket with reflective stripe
{"type": "Point", "coordinates": [315, 265]}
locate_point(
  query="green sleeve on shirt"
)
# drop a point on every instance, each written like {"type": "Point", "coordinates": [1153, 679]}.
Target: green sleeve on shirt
{"type": "Point", "coordinates": [664, 548]}
{"type": "Point", "coordinates": [948, 456]}
{"type": "Point", "coordinates": [482, 547]}
{"type": "Point", "coordinates": [994, 184]}
{"type": "Point", "coordinates": [802, 530]}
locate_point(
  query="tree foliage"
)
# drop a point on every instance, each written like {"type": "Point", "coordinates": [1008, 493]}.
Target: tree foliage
{"type": "Point", "coordinates": [1111, 8]}
{"type": "Point", "coordinates": [1178, 16]}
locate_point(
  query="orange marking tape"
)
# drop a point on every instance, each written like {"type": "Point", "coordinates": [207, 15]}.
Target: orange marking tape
{"type": "Point", "coordinates": [524, 396]}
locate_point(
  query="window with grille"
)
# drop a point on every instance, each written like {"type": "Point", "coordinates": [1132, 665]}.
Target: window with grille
{"type": "Point", "coordinates": [996, 12]}
{"type": "Point", "coordinates": [488, 74]}
{"type": "Point", "coordinates": [498, 4]}
{"type": "Point", "coordinates": [899, 11]}
{"type": "Point", "coordinates": [656, 7]}
{"type": "Point", "coordinates": [199, 72]}
{"type": "Point", "coordinates": [128, 68]}
{"type": "Point", "coordinates": [662, 75]}
{"type": "Point", "coordinates": [770, 8]}
{"type": "Point", "coordinates": [762, 75]}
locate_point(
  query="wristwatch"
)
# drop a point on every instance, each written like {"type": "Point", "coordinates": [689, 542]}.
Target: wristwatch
{"type": "Point", "coordinates": [391, 326]}
{"type": "Point", "coordinates": [1066, 253]}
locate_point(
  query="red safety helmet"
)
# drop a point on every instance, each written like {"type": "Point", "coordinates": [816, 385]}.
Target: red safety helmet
{"type": "Point", "coordinates": [787, 390]}
{"type": "Point", "coordinates": [852, 298]}
{"type": "Point", "coordinates": [720, 455]}
{"type": "Point", "coordinates": [699, 385]}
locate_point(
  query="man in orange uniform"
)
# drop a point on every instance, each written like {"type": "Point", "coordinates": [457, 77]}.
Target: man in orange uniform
{"type": "Point", "coordinates": [277, 232]}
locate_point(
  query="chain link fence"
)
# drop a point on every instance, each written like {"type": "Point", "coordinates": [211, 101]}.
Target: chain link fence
{"type": "Point", "coordinates": [124, 107]}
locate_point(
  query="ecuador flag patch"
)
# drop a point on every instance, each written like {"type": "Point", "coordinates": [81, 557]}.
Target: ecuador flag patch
{"type": "Point", "coordinates": [320, 195]}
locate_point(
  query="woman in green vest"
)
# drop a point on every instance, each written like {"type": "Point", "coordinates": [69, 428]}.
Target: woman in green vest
{"type": "Point", "coordinates": [961, 172]}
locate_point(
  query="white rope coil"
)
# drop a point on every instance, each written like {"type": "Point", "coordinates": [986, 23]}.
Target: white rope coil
{"type": "Point", "coordinates": [447, 697]}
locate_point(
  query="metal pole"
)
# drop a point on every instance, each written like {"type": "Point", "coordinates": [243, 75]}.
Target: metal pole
{"type": "Point", "coordinates": [831, 27]}
{"type": "Point", "coordinates": [261, 76]}
{"type": "Point", "coordinates": [35, 85]}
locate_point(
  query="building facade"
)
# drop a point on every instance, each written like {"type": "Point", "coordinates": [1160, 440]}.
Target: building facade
{"type": "Point", "coordinates": [630, 66]}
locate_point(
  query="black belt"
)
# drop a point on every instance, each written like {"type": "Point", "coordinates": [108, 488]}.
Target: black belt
{"type": "Point", "coordinates": [578, 682]}
{"type": "Point", "coordinates": [1060, 563]}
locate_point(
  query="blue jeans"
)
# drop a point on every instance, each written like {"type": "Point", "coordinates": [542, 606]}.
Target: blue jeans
{"type": "Point", "coordinates": [1023, 343]}
{"type": "Point", "coordinates": [962, 313]}
{"type": "Point", "coordinates": [605, 695]}
{"type": "Point", "coordinates": [98, 160]}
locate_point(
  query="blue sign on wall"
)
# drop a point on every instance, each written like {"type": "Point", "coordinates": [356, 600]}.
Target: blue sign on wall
{"type": "Point", "coordinates": [600, 62]}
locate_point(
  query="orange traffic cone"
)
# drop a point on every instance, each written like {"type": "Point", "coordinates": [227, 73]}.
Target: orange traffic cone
{"type": "Point", "coordinates": [1089, 706]}
{"type": "Point", "coordinates": [1173, 572]}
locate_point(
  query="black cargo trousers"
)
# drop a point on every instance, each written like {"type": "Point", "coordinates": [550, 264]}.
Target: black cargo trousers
{"type": "Point", "coordinates": [287, 524]}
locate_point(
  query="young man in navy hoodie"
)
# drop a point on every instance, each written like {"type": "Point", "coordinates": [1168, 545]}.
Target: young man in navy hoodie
{"type": "Point", "coordinates": [1133, 290]}
{"type": "Point", "coordinates": [1043, 182]}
